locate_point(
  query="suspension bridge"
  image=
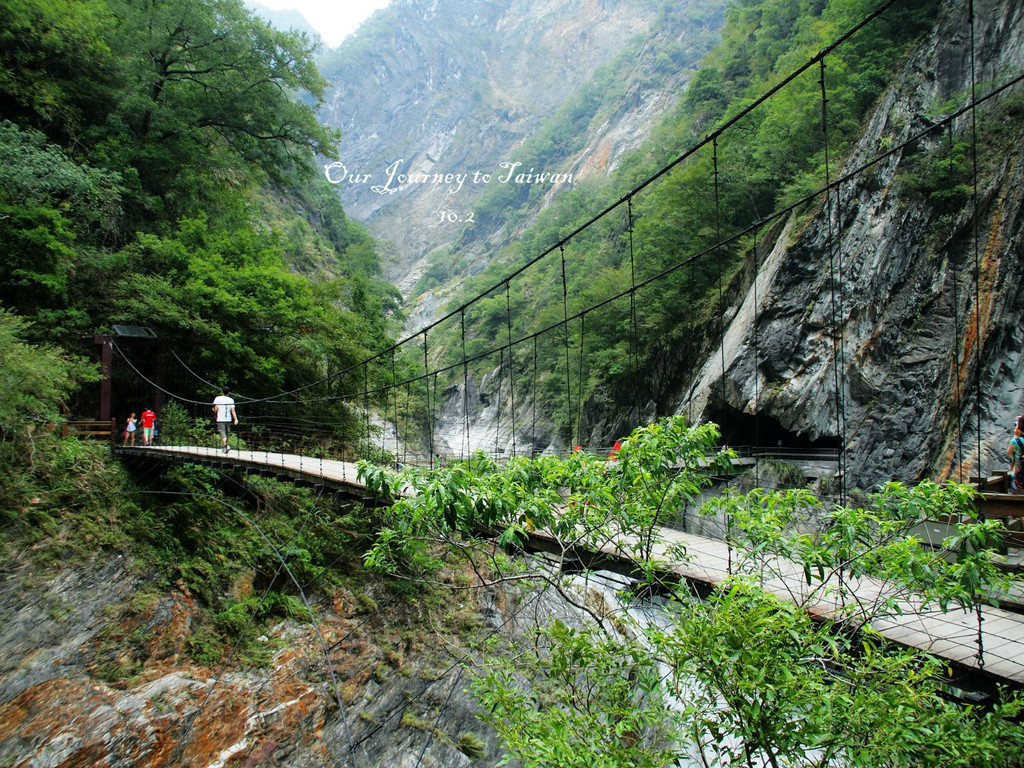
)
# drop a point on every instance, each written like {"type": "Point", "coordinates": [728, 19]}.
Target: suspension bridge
{"type": "Point", "coordinates": [512, 373]}
{"type": "Point", "coordinates": [987, 643]}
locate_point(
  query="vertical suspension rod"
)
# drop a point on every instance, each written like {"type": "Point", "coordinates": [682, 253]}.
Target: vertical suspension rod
{"type": "Point", "coordinates": [511, 371]}
{"type": "Point", "coordinates": [837, 340]}
{"type": "Point", "coordinates": [466, 448]}
{"type": "Point", "coordinates": [565, 328]}
{"type": "Point", "coordinates": [721, 273]}
{"type": "Point", "coordinates": [634, 356]}
{"type": "Point", "coordinates": [430, 413]}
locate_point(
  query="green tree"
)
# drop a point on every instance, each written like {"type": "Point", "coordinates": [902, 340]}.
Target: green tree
{"type": "Point", "coordinates": [602, 705]}
{"type": "Point", "coordinates": [585, 501]}
{"type": "Point", "coordinates": [35, 380]}
{"type": "Point", "coordinates": [755, 674]}
{"type": "Point", "coordinates": [51, 208]}
{"type": "Point", "coordinates": [756, 678]}
{"type": "Point", "coordinates": [764, 683]}
{"type": "Point", "coordinates": [56, 67]}
{"type": "Point", "coordinates": [208, 91]}
{"type": "Point", "coordinates": [224, 292]}
{"type": "Point", "coordinates": [152, 116]}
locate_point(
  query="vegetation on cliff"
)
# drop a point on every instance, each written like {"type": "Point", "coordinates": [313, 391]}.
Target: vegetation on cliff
{"type": "Point", "coordinates": [131, 589]}
{"type": "Point", "coordinates": [780, 665]}
{"type": "Point", "coordinates": [67, 502]}
{"type": "Point", "coordinates": [157, 168]}
{"type": "Point", "coordinates": [697, 215]}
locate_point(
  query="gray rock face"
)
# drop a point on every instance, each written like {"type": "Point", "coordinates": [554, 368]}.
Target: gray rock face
{"type": "Point", "coordinates": [94, 674]}
{"type": "Point", "coordinates": [44, 630]}
{"type": "Point", "coordinates": [922, 370]}
{"type": "Point", "coordinates": [876, 327]}
{"type": "Point", "coordinates": [396, 692]}
{"type": "Point", "coordinates": [441, 94]}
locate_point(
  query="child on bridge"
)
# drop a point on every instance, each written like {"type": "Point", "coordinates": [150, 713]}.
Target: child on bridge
{"type": "Point", "coordinates": [1016, 453]}
{"type": "Point", "coordinates": [129, 430]}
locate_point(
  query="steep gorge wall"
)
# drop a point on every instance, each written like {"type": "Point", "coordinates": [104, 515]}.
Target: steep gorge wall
{"type": "Point", "coordinates": [868, 325]}
{"type": "Point", "coordinates": [924, 349]}
{"type": "Point", "coordinates": [926, 346]}
{"type": "Point", "coordinates": [96, 669]}
{"type": "Point", "coordinates": [455, 87]}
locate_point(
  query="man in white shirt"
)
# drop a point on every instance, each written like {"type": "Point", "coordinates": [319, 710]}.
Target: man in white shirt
{"type": "Point", "coordinates": [224, 408]}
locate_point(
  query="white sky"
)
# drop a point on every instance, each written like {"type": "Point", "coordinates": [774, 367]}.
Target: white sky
{"type": "Point", "coordinates": [333, 19]}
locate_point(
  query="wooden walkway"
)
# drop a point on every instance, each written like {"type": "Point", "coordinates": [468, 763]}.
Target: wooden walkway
{"type": "Point", "coordinates": [951, 635]}
{"type": "Point", "coordinates": [334, 474]}
{"type": "Point", "coordinates": [996, 501]}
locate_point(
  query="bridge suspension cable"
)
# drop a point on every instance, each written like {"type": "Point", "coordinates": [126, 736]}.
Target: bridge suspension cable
{"type": "Point", "coordinates": [381, 384]}
{"type": "Point", "coordinates": [835, 294]}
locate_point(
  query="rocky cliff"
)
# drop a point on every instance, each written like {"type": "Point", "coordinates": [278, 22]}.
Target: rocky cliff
{"type": "Point", "coordinates": [433, 97]}
{"type": "Point", "coordinates": [881, 326]}
{"type": "Point", "coordinates": [98, 668]}
{"type": "Point", "coordinates": [882, 323]}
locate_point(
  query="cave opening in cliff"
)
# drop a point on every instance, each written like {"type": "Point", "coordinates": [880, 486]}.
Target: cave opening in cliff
{"type": "Point", "coordinates": [750, 431]}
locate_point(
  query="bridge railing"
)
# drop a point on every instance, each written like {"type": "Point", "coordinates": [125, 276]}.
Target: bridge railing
{"type": "Point", "coordinates": [784, 453]}
{"type": "Point", "coordinates": [102, 429]}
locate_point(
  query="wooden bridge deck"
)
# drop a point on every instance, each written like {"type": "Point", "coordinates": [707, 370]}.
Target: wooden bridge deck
{"type": "Point", "coordinates": [951, 635]}
{"type": "Point", "coordinates": [335, 474]}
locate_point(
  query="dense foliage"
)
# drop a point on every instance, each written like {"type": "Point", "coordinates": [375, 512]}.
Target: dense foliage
{"type": "Point", "coordinates": [187, 531]}
{"type": "Point", "coordinates": [585, 500]}
{"type": "Point", "coordinates": [686, 233]}
{"type": "Point", "coordinates": [157, 164]}
{"type": "Point", "coordinates": [34, 380]}
{"type": "Point", "coordinates": [156, 169]}
{"type": "Point", "coordinates": [749, 676]}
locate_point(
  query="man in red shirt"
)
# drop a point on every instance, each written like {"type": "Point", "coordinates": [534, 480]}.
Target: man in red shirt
{"type": "Point", "coordinates": [148, 418]}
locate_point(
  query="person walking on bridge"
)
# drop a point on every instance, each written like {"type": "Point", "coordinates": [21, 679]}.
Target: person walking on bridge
{"type": "Point", "coordinates": [148, 418]}
{"type": "Point", "coordinates": [1016, 453]}
{"type": "Point", "coordinates": [224, 408]}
